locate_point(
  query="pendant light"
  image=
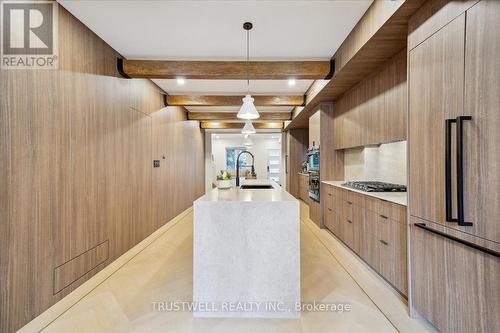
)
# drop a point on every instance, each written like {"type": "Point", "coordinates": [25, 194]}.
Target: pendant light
{"type": "Point", "coordinates": [248, 110]}
{"type": "Point", "coordinates": [248, 128]}
{"type": "Point", "coordinates": [248, 143]}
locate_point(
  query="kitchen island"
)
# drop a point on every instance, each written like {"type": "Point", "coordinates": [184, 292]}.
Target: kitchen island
{"type": "Point", "coordinates": [246, 253]}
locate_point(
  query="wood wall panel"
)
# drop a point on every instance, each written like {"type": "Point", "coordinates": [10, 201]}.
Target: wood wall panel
{"type": "Point", "coordinates": [72, 270]}
{"type": "Point", "coordinates": [76, 151]}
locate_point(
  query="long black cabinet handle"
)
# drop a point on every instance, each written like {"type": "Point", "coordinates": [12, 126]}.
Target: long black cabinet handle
{"type": "Point", "coordinates": [383, 216]}
{"type": "Point", "coordinates": [460, 171]}
{"type": "Point", "coordinates": [383, 242]}
{"type": "Point", "coordinates": [459, 240]}
{"type": "Point", "coordinates": [447, 153]}
{"type": "Point", "coordinates": [349, 221]}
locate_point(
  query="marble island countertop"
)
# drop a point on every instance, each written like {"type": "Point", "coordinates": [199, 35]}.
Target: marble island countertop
{"type": "Point", "coordinates": [236, 194]}
{"type": "Point", "coordinates": [400, 198]}
{"type": "Point", "coordinates": [246, 248]}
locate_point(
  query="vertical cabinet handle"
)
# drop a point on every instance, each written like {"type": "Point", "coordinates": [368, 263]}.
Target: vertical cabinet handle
{"type": "Point", "coordinates": [449, 213]}
{"type": "Point", "coordinates": [460, 219]}
{"type": "Point", "coordinates": [460, 171]}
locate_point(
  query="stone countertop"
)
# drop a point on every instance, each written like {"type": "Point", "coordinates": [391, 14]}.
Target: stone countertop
{"type": "Point", "coordinates": [246, 248]}
{"type": "Point", "coordinates": [235, 194]}
{"type": "Point", "coordinates": [400, 198]}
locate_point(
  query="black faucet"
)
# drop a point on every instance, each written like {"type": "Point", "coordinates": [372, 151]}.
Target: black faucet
{"type": "Point", "coordinates": [238, 166]}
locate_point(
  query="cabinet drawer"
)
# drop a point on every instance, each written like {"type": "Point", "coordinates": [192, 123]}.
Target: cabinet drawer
{"type": "Point", "coordinates": [391, 210]}
{"type": "Point", "coordinates": [338, 192]}
{"type": "Point", "coordinates": [391, 236]}
{"type": "Point", "coordinates": [352, 227]}
{"type": "Point", "coordinates": [328, 189]}
{"type": "Point", "coordinates": [355, 198]}
{"type": "Point", "coordinates": [332, 223]}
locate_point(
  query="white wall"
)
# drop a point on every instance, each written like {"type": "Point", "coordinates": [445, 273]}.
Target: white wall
{"type": "Point", "coordinates": [386, 163]}
{"type": "Point", "coordinates": [259, 149]}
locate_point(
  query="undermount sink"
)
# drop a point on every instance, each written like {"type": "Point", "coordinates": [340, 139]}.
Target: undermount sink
{"type": "Point", "coordinates": [255, 187]}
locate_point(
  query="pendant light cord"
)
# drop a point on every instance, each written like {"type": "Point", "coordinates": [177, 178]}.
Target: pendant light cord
{"type": "Point", "coordinates": [248, 62]}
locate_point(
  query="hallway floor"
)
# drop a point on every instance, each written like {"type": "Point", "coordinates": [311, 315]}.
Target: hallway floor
{"type": "Point", "coordinates": [162, 271]}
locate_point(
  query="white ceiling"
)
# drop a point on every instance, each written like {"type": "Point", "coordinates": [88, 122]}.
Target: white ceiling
{"type": "Point", "coordinates": [212, 30]}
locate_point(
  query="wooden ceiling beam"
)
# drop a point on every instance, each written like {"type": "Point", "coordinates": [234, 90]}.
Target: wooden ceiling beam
{"type": "Point", "coordinates": [225, 70]}
{"type": "Point", "coordinates": [204, 116]}
{"type": "Point", "coordinates": [226, 125]}
{"type": "Point", "coordinates": [214, 100]}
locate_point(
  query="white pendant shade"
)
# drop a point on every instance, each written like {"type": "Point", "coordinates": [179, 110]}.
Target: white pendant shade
{"type": "Point", "coordinates": [248, 110]}
{"type": "Point", "coordinates": [248, 128]}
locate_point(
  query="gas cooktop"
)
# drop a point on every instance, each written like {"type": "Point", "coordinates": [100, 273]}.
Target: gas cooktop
{"type": "Point", "coordinates": [372, 186]}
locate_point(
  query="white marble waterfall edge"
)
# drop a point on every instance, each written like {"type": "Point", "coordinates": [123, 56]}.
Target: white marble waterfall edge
{"type": "Point", "coordinates": [246, 257]}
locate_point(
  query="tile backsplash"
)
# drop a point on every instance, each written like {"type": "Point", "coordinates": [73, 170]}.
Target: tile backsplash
{"type": "Point", "coordinates": [386, 162]}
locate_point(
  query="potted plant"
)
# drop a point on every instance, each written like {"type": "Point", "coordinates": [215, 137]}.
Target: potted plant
{"type": "Point", "coordinates": [224, 180]}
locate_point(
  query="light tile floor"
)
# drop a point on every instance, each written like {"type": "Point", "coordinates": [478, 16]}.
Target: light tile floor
{"type": "Point", "coordinates": [330, 273]}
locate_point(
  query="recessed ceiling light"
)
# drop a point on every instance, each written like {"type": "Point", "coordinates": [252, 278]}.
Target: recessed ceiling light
{"type": "Point", "coordinates": [180, 81]}
{"type": "Point", "coordinates": [291, 82]}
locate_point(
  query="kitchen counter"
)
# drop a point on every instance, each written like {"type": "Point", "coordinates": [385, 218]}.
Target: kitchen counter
{"type": "Point", "coordinates": [304, 174]}
{"type": "Point", "coordinates": [246, 250]}
{"type": "Point", "coordinates": [400, 198]}
{"type": "Point", "coordinates": [248, 195]}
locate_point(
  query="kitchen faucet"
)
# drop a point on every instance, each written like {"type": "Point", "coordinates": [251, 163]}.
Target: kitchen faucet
{"type": "Point", "coordinates": [238, 166]}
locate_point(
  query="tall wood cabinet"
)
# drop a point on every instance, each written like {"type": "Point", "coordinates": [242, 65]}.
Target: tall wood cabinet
{"type": "Point", "coordinates": [436, 93]}
{"type": "Point", "coordinates": [454, 71]}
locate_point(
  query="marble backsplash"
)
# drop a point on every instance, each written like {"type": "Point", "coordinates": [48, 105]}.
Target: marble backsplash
{"type": "Point", "coordinates": [386, 162]}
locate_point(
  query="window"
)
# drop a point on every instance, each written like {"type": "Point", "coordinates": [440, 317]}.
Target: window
{"type": "Point", "coordinates": [231, 155]}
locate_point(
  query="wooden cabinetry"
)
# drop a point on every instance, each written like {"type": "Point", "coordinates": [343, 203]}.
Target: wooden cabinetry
{"type": "Point", "coordinates": [296, 148]}
{"type": "Point", "coordinates": [374, 111]}
{"type": "Point", "coordinates": [374, 229]}
{"type": "Point", "coordinates": [454, 286]}
{"type": "Point", "coordinates": [436, 92]}
{"type": "Point", "coordinates": [304, 187]}
{"type": "Point", "coordinates": [314, 129]}
{"type": "Point", "coordinates": [454, 71]}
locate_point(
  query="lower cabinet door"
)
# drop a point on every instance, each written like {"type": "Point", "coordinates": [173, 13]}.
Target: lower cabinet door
{"type": "Point", "coordinates": [329, 219]}
{"type": "Point", "coordinates": [347, 231]}
{"type": "Point", "coordinates": [456, 287]}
